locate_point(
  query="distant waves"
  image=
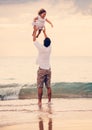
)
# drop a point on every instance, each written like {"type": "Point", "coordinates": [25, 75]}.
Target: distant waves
{"type": "Point", "coordinates": [59, 90]}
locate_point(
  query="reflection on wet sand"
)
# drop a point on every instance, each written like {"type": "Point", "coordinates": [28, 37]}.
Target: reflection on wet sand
{"type": "Point", "coordinates": [41, 123]}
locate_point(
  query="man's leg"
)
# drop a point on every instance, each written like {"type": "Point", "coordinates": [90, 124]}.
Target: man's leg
{"type": "Point", "coordinates": [40, 93]}
{"type": "Point", "coordinates": [49, 94]}
{"type": "Point", "coordinates": [40, 81]}
{"type": "Point", "coordinates": [48, 84]}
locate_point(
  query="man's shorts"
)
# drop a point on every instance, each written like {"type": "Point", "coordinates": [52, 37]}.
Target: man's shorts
{"type": "Point", "coordinates": [43, 76]}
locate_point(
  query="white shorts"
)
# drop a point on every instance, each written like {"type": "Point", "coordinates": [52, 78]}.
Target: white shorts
{"type": "Point", "coordinates": [37, 25]}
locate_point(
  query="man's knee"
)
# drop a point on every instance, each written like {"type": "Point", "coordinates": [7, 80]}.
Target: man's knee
{"type": "Point", "coordinates": [49, 89]}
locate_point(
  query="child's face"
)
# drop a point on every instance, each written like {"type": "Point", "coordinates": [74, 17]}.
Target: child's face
{"type": "Point", "coordinates": [43, 15]}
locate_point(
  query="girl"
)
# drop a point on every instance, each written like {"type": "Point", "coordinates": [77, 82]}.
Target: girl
{"type": "Point", "coordinates": [39, 22]}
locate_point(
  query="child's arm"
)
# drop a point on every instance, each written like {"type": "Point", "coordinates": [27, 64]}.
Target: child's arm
{"type": "Point", "coordinates": [49, 22]}
{"type": "Point", "coordinates": [36, 18]}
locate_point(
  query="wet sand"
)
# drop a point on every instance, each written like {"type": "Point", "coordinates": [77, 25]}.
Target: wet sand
{"type": "Point", "coordinates": [62, 114]}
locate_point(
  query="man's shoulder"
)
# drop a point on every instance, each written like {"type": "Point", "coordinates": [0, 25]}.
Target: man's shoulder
{"type": "Point", "coordinates": [35, 42]}
{"type": "Point", "coordinates": [38, 45]}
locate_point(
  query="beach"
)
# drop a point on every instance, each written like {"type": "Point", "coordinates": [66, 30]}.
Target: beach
{"type": "Point", "coordinates": [71, 107]}
{"type": "Point", "coordinates": [70, 63]}
{"type": "Point", "coordinates": [66, 114]}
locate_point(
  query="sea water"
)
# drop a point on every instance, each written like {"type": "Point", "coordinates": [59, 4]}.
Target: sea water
{"type": "Point", "coordinates": [15, 72]}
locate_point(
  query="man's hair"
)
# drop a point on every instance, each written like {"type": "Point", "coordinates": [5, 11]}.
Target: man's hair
{"type": "Point", "coordinates": [41, 11]}
{"type": "Point", "coordinates": [47, 42]}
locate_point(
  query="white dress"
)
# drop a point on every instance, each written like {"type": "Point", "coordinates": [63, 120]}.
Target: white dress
{"type": "Point", "coordinates": [40, 22]}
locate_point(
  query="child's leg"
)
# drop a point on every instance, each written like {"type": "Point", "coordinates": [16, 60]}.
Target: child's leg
{"type": "Point", "coordinates": [39, 31]}
{"type": "Point", "coordinates": [44, 29]}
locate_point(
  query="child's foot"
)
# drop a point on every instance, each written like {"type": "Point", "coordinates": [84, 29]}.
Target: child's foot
{"type": "Point", "coordinates": [37, 36]}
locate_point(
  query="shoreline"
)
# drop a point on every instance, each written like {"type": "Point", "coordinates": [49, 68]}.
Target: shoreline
{"type": "Point", "coordinates": [65, 125]}
{"type": "Point", "coordinates": [66, 114]}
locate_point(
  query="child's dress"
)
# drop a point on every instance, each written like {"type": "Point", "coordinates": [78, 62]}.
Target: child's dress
{"type": "Point", "coordinates": [39, 23]}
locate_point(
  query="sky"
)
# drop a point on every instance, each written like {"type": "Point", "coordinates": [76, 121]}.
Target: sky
{"type": "Point", "coordinates": [70, 36]}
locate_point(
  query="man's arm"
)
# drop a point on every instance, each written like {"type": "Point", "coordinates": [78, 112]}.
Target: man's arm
{"type": "Point", "coordinates": [37, 44]}
{"type": "Point", "coordinates": [34, 37]}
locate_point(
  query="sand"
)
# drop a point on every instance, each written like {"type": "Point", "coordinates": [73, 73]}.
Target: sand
{"type": "Point", "coordinates": [62, 114]}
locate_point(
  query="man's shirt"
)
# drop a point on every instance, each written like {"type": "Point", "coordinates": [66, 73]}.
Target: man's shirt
{"type": "Point", "coordinates": [43, 59]}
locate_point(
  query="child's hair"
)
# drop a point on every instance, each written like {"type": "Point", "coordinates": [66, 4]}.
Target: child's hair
{"type": "Point", "coordinates": [41, 11]}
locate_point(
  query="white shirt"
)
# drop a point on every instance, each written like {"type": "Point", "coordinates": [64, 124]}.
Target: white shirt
{"type": "Point", "coordinates": [43, 59]}
{"type": "Point", "coordinates": [40, 22]}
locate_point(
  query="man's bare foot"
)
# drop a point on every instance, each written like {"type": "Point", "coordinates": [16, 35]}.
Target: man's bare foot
{"type": "Point", "coordinates": [39, 104]}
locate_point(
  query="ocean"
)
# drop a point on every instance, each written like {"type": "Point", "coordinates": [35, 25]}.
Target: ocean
{"type": "Point", "coordinates": [71, 94]}
{"type": "Point", "coordinates": [19, 73]}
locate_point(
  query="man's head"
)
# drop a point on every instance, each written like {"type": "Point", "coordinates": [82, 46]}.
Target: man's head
{"type": "Point", "coordinates": [47, 42]}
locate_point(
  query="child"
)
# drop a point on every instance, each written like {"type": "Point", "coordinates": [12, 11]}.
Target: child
{"type": "Point", "coordinates": [39, 22]}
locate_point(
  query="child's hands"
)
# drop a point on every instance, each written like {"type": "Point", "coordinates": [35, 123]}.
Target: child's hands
{"type": "Point", "coordinates": [52, 25]}
{"type": "Point", "coordinates": [49, 22]}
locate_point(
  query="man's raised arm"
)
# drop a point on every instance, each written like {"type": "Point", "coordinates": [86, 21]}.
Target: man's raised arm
{"type": "Point", "coordinates": [34, 38]}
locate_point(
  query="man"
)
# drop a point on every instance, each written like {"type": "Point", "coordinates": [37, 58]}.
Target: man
{"type": "Point", "coordinates": [44, 71]}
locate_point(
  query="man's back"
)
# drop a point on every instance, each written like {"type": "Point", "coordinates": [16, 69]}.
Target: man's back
{"type": "Point", "coordinates": [43, 59]}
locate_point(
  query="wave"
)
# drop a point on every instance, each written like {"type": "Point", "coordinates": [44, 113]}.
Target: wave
{"type": "Point", "coordinates": [73, 89]}
{"type": "Point", "coordinates": [9, 91]}
{"type": "Point", "coordinates": [59, 90]}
